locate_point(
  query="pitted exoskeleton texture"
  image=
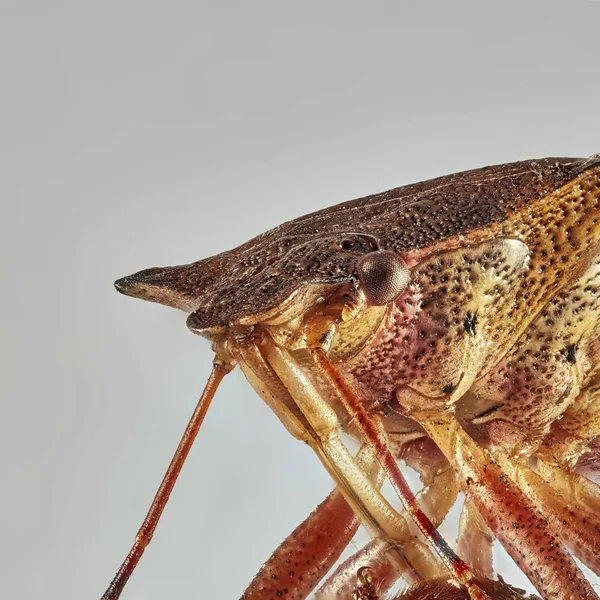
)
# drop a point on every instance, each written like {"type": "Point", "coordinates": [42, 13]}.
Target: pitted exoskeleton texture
{"type": "Point", "coordinates": [547, 367]}
{"type": "Point", "coordinates": [442, 328]}
{"type": "Point", "coordinates": [324, 246]}
{"type": "Point", "coordinates": [516, 354]}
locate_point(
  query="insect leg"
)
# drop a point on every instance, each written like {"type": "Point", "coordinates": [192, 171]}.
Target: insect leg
{"type": "Point", "coordinates": [342, 582]}
{"type": "Point", "coordinates": [376, 439]}
{"type": "Point", "coordinates": [556, 459]}
{"type": "Point", "coordinates": [305, 556]}
{"type": "Point", "coordinates": [375, 512]}
{"type": "Point", "coordinates": [327, 531]}
{"type": "Point", "coordinates": [578, 527]}
{"type": "Point", "coordinates": [575, 487]}
{"type": "Point", "coordinates": [440, 486]}
{"type": "Point", "coordinates": [437, 497]}
{"type": "Point", "coordinates": [146, 531]}
{"type": "Point", "coordinates": [475, 540]}
{"type": "Point", "coordinates": [512, 517]}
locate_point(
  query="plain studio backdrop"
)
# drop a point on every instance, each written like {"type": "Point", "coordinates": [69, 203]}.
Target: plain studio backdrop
{"type": "Point", "coordinates": [138, 134]}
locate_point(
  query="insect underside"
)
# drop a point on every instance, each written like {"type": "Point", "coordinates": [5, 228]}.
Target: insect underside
{"type": "Point", "coordinates": [451, 325]}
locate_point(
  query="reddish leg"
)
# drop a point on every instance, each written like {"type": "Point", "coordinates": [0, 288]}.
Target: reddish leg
{"type": "Point", "coordinates": [579, 527]}
{"type": "Point", "coordinates": [146, 531]}
{"type": "Point", "coordinates": [514, 520]}
{"type": "Point", "coordinates": [343, 582]}
{"type": "Point", "coordinates": [307, 554]}
{"type": "Point", "coordinates": [378, 442]}
{"type": "Point", "coordinates": [437, 497]}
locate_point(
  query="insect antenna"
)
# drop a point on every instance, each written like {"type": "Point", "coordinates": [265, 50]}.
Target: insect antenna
{"type": "Point", "coordinates": [146, 531]}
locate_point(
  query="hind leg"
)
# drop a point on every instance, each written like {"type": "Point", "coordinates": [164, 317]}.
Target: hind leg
{"type": "Point", "coordinates": [557, 458]}
{"type": "Point", "coordinates": [305, 556]}
{"type": "Point", "coordinates": [437, 497]}
{"type": "Point", "coordinates": [578, 527]}
{"type": "Point", "coordinates": [475, 540]}
{"type": "Point", "coordinates": [343, 581]}
{"type": "Point", "coordinates": [570, 440]}
{"type": "Point", "coordinates": [515, 521]}
{"type": "Point", "coordinates": [440, 487]}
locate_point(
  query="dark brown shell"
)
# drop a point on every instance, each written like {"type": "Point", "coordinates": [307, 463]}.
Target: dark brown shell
{"type": "Point", "coordinates": [325, 246]}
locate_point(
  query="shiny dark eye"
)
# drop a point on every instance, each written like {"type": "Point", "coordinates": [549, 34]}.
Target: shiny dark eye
{"type": "Point", "coordinates": [382, 276]}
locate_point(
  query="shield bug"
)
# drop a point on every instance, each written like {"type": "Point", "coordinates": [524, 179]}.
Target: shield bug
{"type": "Point", "coordinates": [451, 325]}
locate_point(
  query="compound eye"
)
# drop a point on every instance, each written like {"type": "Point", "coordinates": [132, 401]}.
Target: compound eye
{"type": "Point", "coordinates": [382, 276]}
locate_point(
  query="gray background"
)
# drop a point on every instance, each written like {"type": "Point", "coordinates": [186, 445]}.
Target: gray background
{"type": "Point", "coordinates": [136, 134]}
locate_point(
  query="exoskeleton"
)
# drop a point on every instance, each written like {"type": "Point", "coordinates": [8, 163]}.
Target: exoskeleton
{"type": "Point", "coordinates": [451, 325]}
